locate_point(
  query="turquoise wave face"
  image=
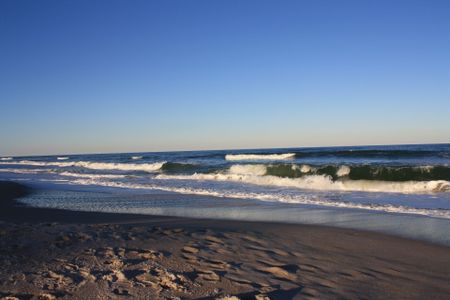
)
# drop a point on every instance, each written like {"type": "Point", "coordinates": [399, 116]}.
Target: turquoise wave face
{"type": "Point", "coordinates": [363, 172]}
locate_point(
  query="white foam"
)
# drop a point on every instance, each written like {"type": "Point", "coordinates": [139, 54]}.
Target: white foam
{"type": "Point", "coordinates": [62, 158]}
{"type": "Point", "coordinates": [248, 169]}
{"type": "Point", "coordinates": [149, 167]}
{"type": "Point", "coordinates": [260, 156]}
{"type": "Point", "coordinates": [343, 171]}
{"type": "Point", "coordinates": [299, 199]}
{"type": "Point", "coordinates": [93, 176]}
{"type": "Point", "coordinates": [136, 157]}
{"type": "Point", "coordinates": [323, 182]}
{"type": "Point", "coordinates": [302, 168]}
{"type": "Point", "coordinates": [26, 171]}
{"type": "Point", "coordinates": [6, 158]}
{"type": "Point", "coordinates": [427, 169]}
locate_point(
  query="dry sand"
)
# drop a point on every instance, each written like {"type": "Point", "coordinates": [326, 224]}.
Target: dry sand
{"type": "Point", "coordinates": [55, 254]}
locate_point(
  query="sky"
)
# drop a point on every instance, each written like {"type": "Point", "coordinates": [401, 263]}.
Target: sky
{"type": "Point", "coordinates": [130, 76]}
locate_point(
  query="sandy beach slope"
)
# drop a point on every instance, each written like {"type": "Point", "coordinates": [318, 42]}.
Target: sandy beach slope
{"type": "Point", "coordinates": [55, 254]}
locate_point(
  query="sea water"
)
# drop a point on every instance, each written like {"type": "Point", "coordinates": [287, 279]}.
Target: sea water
{"type": "Point", "coordinates": [373, 184]}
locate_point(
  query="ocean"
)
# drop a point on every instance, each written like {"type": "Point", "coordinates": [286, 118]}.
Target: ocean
{"type": "Point", "coordinates": [260, 184]}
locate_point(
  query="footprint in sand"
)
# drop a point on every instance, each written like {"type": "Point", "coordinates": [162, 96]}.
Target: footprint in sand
{"type": "Point", "coordinates": [270, 263]}
{"type": "Point", "coordinates": [310, 268]}
{"type": "Point", "coordinates": [150, 254]}
{"type": "Point", "coordinates": [255, 240]}
{"type": "Point", "coordinates": [238, 280]}
{"type": "Point", "coordinates": [189, 257]}
{"type": "Point", "coordinates": [222, 251]}
{"type": "Point", "coordinates": [207, 275]}
{"type": "Point", "coordinates": [213, 239]}
{"type": "Point", "coordinates": [281, 272]}
{"type": "Point", "coordinates": [190, 249]}
{"type": "Point", "coordinates": [217, 264]}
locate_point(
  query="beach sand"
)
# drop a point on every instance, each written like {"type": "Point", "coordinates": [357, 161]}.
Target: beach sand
{"type": "Point", "coordinates": [50, 253]}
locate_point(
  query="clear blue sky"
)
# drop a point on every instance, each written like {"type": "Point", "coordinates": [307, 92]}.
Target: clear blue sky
{"type": "Point", "coordinates": [119, 76]}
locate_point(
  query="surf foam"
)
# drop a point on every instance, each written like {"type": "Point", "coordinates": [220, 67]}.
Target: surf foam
{"type": "Point", "coordinates": [93, 176]}
{"type": "Point", "coordinates": [317, 182]}
{"type": "Point", "coordinates": [260, 156]}
{"type": "Point", "coordinates": [298, 199]}
{"type": "Point", "coordinates": [248, 169]}
{"type": "Point", "coordinates": [150, 167]}
{"type": "Point", "coordinates": [343, 171]}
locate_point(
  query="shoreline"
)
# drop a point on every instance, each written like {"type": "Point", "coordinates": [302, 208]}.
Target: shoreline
{"type": "Point", "coordinates": [201, 258]}
{"type": "Point", "coordinates": [21, 212]}
{"type": "Point", "coordinates": [207, 208]}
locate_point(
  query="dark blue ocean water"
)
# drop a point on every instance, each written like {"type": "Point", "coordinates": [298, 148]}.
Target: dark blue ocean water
{"type": "Point", "coordinates": [407, 179]}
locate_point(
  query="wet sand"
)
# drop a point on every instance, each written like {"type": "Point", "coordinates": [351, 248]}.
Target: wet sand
{"type": "Point", "coordinates": [50, 253]}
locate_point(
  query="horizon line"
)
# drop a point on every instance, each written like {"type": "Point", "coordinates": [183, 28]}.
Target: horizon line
{"type": "Point", "coordinates": [227, 149]}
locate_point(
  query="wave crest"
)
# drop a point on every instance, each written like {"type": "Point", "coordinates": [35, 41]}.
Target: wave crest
{"type": "Point", "coordinates": [149, 167]}
{"type": "Point", "coordinates": [248, 169]}
{"type": "Point", "coordinates": [260, 156]}
{"type": "Point", "coordinates": [319, 182]}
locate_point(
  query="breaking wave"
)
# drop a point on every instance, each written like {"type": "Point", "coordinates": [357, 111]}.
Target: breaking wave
{"type": "Point", "coordinates": [258, 175]}
{"type": "Point", "coordinates": [150, 167]}
{"type": "Point", "coordinates": [167, 167]}
{"type": "Point", "coordinates": [260, 156]}
{"type": "Point", "coordinates": [248, 169]}
{"type": "Point", "coordinates": [62, 158]}
{"type": "Point", "coordinates": [366, 172]}
{"type": "Point", "coordinates": [6, 158]}
{"type": "Point", "coordinates": [136, 157]}
{"type": "Point", "coordinates": [343, 171]}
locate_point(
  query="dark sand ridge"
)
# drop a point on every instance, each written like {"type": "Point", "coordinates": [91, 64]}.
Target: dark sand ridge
{"type": "Point", "coordinates": [50, 253]}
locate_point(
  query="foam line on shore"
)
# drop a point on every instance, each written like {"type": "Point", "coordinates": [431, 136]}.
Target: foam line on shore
{"type": "Point", "coordinates": [297, 199]}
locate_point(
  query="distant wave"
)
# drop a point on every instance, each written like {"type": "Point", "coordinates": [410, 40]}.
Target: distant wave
{"type": "Point", "coordinates": [300, 199]}
{"type": "Point", "coordinates": [6, 158]}
{"type": "Point", "coordinates": [350, 153]}
{"type": "Point", "coordinates": [136, 157]}
{"type": "Point", "coordinates": [150, 167]}
{"type": "Point", "coordinates": [168, 167]}
{"type": "Point", "coordinates": [259, 156]}
{"type": "Point", "coordinates": [372, 153]}
{"type": "Point", "coordinates": [62, 157]}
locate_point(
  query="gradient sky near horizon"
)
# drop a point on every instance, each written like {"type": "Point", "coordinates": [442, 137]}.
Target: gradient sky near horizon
{"type": "Point", "coordinates": [129, 76]}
